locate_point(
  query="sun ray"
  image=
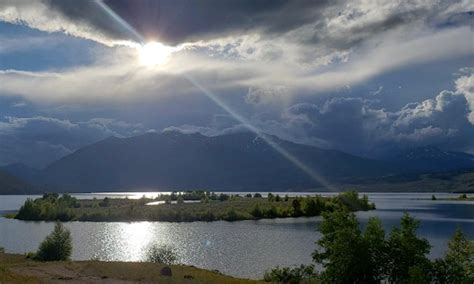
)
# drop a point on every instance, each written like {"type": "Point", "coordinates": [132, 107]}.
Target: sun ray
{"type": "Point", "coordinates": [154, 53]}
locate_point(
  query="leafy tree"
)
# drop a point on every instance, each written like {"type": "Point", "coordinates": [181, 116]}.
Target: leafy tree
{"type": "Point", "coordinates": [105, 202]}
{"type": "Point", "coordinates": [406, 251]}
{"type": "Point", "coordinates": [257, 212]}
{"type": "Point", "coordinates": [272, 212]}
{"type": "Point", "coordinates": [351, 200]}
{"type": "Point", "coordinates": [458, 264]}
{"type": "Point", "coordinates": [257, 195]}
{"type": "Point", "coordinates": [296, 275]}
{"type": "Point", "coordinates": [343, 250]}
{"type": "Point", "coordinates": [57, 246]}
{"type": "Point", "coordinates": [296, 204]}
{"type": "Point", "coordinates": [277, 198]}
{"type": "Point", "coordinates": [313, 206]}
{"type": "Point", "coordinates": [287, 197]}
{"type": "Point", "coordinates": [29, 211]}
{"type": "Point", "coordinates": [374, 238]}
{"type": "Point", "coordinates": [50, 196]}
{"type": "Point", "coordinates": [270, 197]}
{"type": "Point", "coordinates": [162, 254]}
{"type": "Point", "coordinates": [223, 197]}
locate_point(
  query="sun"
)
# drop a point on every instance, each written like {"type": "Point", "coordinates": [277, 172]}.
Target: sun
{"type": "Point", "coordinates": [154, 53]}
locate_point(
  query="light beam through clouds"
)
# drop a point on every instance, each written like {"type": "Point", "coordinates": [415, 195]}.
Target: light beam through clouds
{"type": "Point", "coordinates": [121, 21]}
{"type": "Point", "coordinates": [287, 155]}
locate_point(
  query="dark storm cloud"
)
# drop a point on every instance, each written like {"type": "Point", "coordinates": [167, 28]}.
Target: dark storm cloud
{"type": "Point", "coordinates": [355, 125]}
{"type": "Point", "coordinates": [90, 13]}
{"type": "Point", "coordinates": [332, 24]}
{"type": "Point", "coordinates": [335, 24]}
{"type": "Point", "coordinates": [176, 21]}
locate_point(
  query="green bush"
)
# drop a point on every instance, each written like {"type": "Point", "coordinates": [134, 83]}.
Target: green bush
{"type": "Point", "coordinates": [302, 274]}
{"type": "Point", "coordinates": [162, 254]}
{"type": "Point", "coordinates": [57, 245]}
{"type": "Point", "coordinates": [257, 212]}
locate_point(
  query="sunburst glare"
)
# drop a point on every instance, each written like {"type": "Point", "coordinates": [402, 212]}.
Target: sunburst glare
{"type": "Point", "coordinates": [154, 53]}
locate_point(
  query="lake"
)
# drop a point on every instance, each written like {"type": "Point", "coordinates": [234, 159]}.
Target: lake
{"type": "Point", "coordinates": [243, 248]}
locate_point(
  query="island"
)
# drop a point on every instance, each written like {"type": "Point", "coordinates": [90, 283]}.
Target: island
{"type": "Point", "coordinates": [186, 207]}
{"type": "Point", "coordinates": [462, 197]}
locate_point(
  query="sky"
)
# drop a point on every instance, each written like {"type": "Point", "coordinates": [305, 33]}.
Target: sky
{"type": "Point", "coordinates": [364, 77]}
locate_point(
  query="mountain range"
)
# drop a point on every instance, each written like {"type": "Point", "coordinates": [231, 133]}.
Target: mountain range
{"type": "Point", "coordinates": [241, 161]}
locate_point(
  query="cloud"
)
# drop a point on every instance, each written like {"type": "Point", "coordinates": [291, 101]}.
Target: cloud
{"type": "Point", "coordinates": [86, 19]}
{"type": "Point", "coordinates": [465, 85]}
{"type": "Point", "coordinates": [356, 125]}
{"type": "Point", "coordinates": [334, 24]}
{"type": "Point", "coordinates": [118, 77]}
{"type": "Point", "coordinates": [39, 140]}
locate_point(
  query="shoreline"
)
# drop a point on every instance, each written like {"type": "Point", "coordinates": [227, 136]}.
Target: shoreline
{"type": "Point", "coordinates": [16, 268]}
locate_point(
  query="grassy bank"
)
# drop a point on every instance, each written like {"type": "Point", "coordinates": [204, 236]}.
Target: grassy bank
{"type": "Point", "coordinates": [18, 269]}
{"type": "Point", "coordinates": [209, 207]}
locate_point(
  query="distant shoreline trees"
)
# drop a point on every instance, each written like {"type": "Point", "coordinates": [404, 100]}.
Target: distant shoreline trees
{"type": "Point", "coordinates": [205, 206]}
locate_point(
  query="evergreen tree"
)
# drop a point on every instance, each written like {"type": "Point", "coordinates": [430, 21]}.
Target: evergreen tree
{"type": "Point", "coordinates": [56, 246]}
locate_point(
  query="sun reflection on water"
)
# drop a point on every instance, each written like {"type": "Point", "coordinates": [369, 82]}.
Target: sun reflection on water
{"type": "Point", "coordinates": [136, 237]}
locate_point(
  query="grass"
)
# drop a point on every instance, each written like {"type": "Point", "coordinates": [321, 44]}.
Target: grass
{"type": "Point", "coordinates": [229, 208]}
{"type": "Point", "coordinates": [18, 269]}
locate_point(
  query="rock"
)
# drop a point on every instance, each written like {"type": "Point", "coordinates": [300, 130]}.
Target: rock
{"type": "Point", "coordinates": [166, 271]}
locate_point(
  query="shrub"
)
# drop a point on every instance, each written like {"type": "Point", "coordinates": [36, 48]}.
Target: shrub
{"type": "Point", "coordinates": [162, 254]}
{"type": "Point", "coordinates": [233, 215]}
{"type": "Point", "coordinates": [291, 275]}
{"type": "Point", "coordinates": [257, 195]}
{"type": "Point", "coordinates": [270, 197]}
{"type": "Point", "coordinates": [257, 212]}
{"type": "Point", "coordinates": [296, 204]}
{"type": "Point", "coordinates": [105, 202]}
{"type": "Point", "coordinates": [223, 197]}
{"type": "Point", "coordinates": [272, 212]}
{"type": "Point", "coordinates": [57, 245]}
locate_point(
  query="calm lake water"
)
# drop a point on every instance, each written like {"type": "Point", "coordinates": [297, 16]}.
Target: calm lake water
{"type": "Point", "coordinates": [244, 248]}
